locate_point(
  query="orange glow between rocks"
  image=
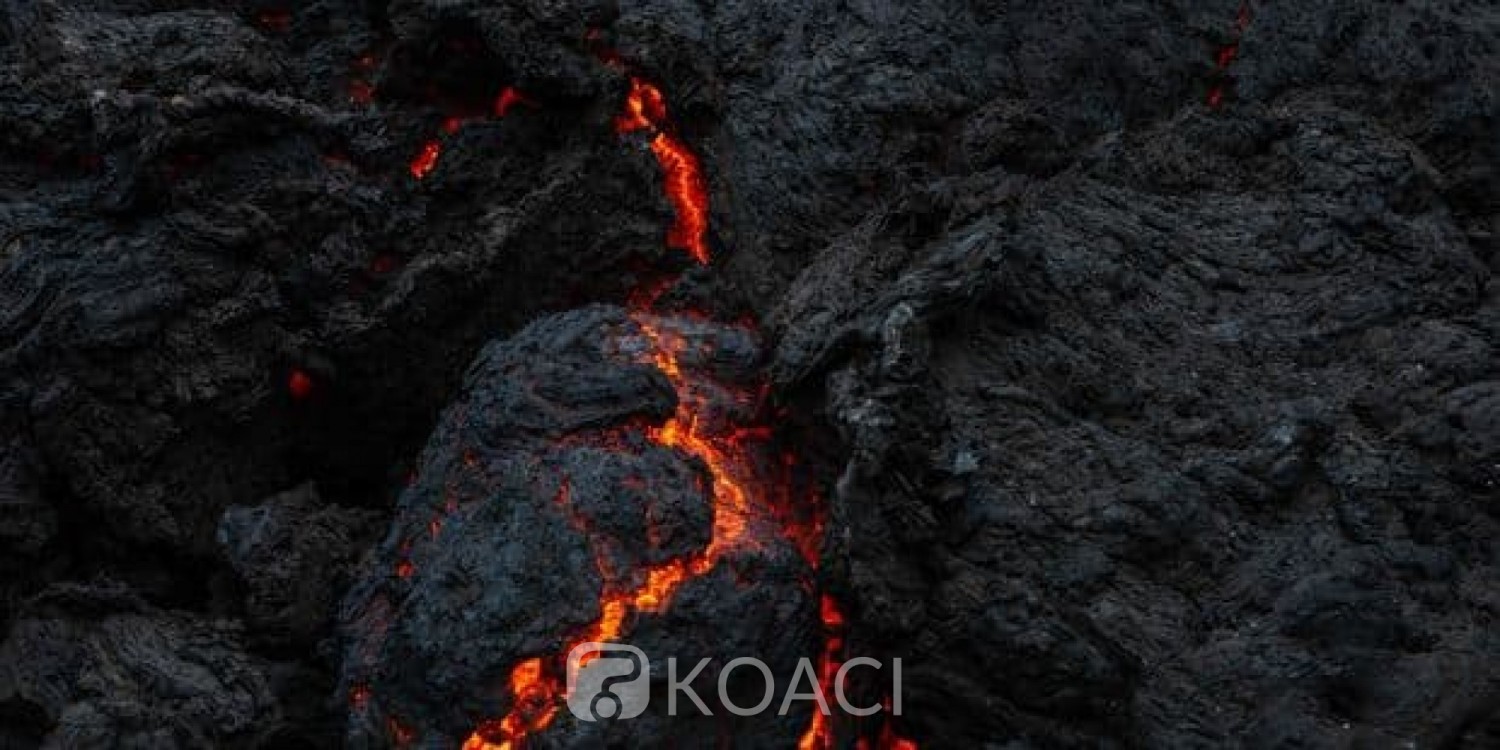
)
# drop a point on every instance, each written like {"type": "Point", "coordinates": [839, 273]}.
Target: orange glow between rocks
{"type": "Point", "coordinates": [426, 159]}
{"type": "Point", "coordinates": [508, 99]}
{"type": "Point", "coordinates": [740, 494]}
{"type": "Point", "coordinates": [819, 734]}
{"type": "Point", "coordinates": [687, 191]}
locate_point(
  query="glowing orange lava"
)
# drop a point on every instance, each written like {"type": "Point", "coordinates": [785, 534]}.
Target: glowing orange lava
{"type": "Point", "coordinates": [535, 706]}
{"type": "Point", "coordinates": [739, 497]}
{"type": "Point", "coordinates": [728, 465]}
{"type": "Point", "coordinates": [819, 734]}
{"type": "Point", "coordinates": [646, 109]}
{"type": "Point", "coordinates": [426, 159]}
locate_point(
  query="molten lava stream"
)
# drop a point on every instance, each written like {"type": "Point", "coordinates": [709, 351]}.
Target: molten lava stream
{"type": "Point", "coordinates": [737, 506]}
{"type": "Point", "coordinates": [535, 693]}
{"type": "Point", "coordinates": [687, 191]}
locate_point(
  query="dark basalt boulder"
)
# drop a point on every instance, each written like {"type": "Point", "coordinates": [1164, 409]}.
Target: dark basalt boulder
{"type": "Point", "coordinates": [295, 555]}
{"type": "Point", "coordinates": [538, 495]}
{"type": "Point", "coordinates": [96, 667]}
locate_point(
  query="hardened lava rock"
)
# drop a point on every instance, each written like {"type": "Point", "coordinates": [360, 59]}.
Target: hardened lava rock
{"type": "Point", "coordinates": [97, 667]}
{"type": "Point", "coordinates": [540, 492]}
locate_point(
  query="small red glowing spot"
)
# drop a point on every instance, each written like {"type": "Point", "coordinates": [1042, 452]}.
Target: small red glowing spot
{"type": "Point", "coordinates": [404, 569]}
{"type": "Point", "coordinates": [361, 92]}
{"type": "Point", "coordinates": [645, 108]}
{"type": "Point", "coordinates": [888, 739]}
{"type": "Point", "coordinates": [400, 732]}
{"type": "Point", "coordinates": [383, 264]}
{"type": "Point", "coordinates": [426, 159]}
{"type": "Point", "coordinates": [508, 99]}
{"type": "Point", "coordinates": [452, 125]}
{"type": "Point", "coordinates": [299, 384]}
{"type": "Point", "coordinates": [359, 696]}
{"type": "Point", "coordinates": [278, 20]}
{"type": "Point", "coordinates": [1226, 55]}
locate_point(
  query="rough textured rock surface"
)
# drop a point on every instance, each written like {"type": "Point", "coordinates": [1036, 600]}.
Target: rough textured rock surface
{"type": "Point", "coordinates": [538, 494]}
{"type": "Point", "coordinates": [295, 556]}
{"type": "Point", "coordinates": [94, 667]}
{"type": "Point", "coordinates": [1146, 352]}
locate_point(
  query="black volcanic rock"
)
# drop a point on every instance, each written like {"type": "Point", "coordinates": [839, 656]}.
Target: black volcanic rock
{"type": "Point", "coordinates": [94, 667]}
{"type": "Point", "coordinates": [539, 493]}
{"type": "Point", "coordinates": [1145, 351]}
{"type": "Point", "coordinates": [1179, 440]}
{"type": "Point", "coordinates": [295, 555]}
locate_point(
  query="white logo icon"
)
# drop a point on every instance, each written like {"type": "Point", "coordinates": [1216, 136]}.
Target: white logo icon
{"type": "Point", "coordinates": [608, 681]}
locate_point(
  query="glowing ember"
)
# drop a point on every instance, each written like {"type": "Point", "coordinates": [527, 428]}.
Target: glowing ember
{"type": "Point", "coordinates": [646, 109]}
{"type": "Point", "coordinates": [361, 92]}
{"type": "Point", "coordinates": [819, 734]}
{"type": "Point", "coordinates": [1225, 56]}
{"type": "Point", "coordinates": [688, 194]}
{"type": "Point", "coordinates": [535, 706]}
{"type": "Point", "coordinates": [384, 264]}
{"type": "Point", "coordinates": [402, 734]}
{"type": "Point", "coordinates": [508, 99]}
{"type": "Point", "coordinates": [426, 159]}
{"type": "Point", "coordinates": [278, 20]}
{"type": "Point", "coordinates": [300, 385]}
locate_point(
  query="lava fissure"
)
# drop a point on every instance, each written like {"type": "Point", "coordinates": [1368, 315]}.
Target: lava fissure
{"type": "Point", "coordinates": [1224, 57]}
{"type": "Point", "coordinates": [746, 505]}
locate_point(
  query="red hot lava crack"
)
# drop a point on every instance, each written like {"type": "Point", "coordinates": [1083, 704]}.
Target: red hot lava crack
{"type": "Point", "coordinates": [740, 498]}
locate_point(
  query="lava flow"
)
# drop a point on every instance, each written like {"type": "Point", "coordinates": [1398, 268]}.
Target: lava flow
{"type": "Point", "coordinates": [646, 109]}
{"type": "Point", "coordinates": [741, 499]}
{"type": "Point", "coordinates": [427, 158]}
{"type": "Point", "coordinates": [1225, 55]}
